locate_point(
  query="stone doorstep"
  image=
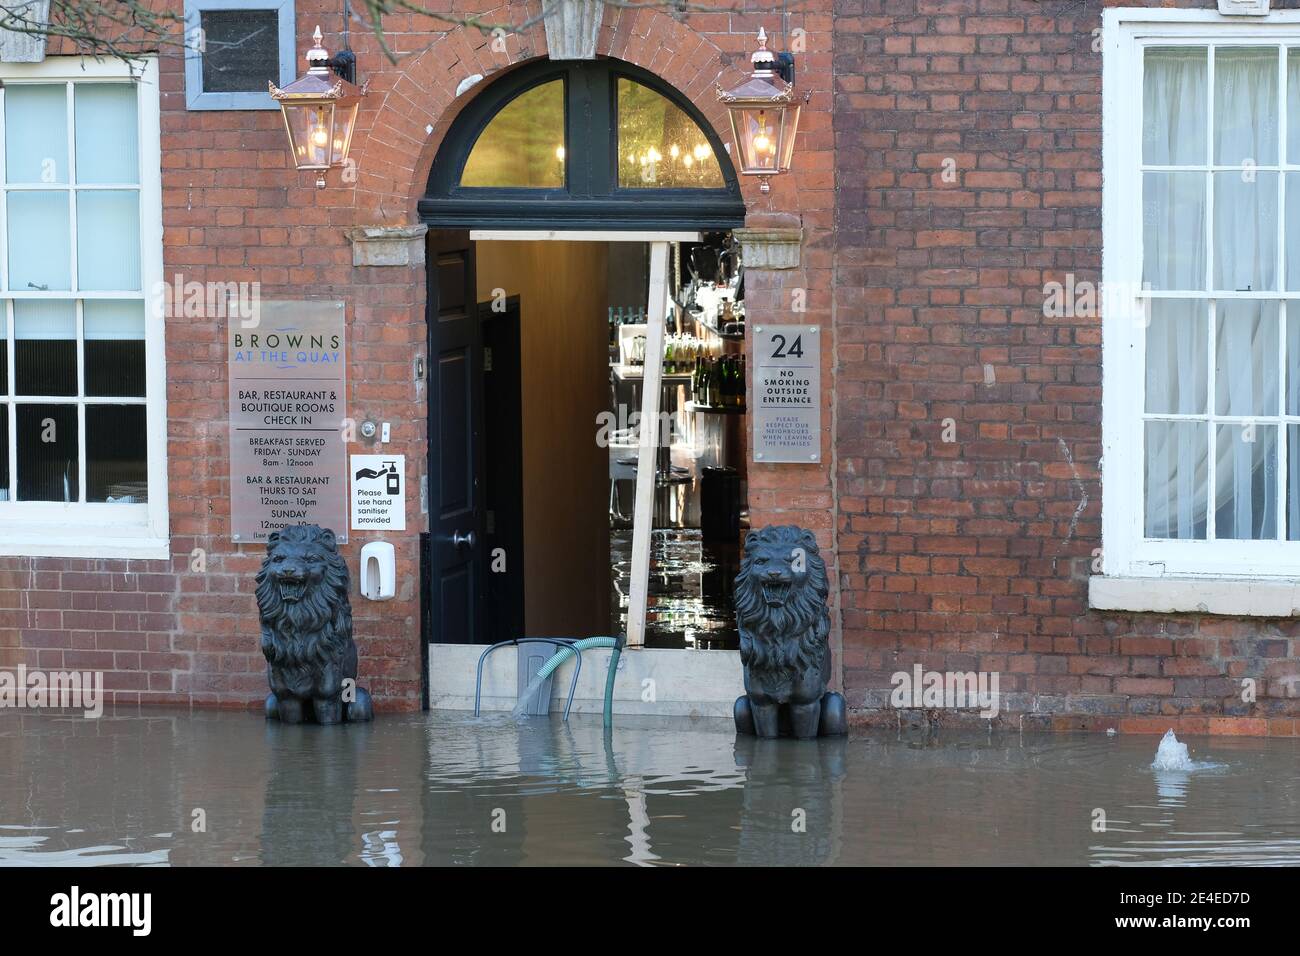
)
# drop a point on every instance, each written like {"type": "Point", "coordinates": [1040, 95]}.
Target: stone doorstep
{"type": "Point", "coordinates": [686, 683]}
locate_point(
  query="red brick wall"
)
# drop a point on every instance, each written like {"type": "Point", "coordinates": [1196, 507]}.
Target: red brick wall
{"type": "Point", "coordinates": [235, 210]}
{"type": "Point", "coordinates": [971, 554]}
{"type": "Point", "coordinates": [975, 554]}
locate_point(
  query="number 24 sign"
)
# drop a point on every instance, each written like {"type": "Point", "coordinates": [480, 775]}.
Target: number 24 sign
{"type": "Point", "coordinates": [787, 393]}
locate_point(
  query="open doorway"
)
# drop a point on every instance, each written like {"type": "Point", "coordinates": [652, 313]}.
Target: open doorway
{"type": "Point", "coordinates": [574, 193]}
{"type": "Point", "coordinates": [699, 504]}
{"type": "Point", "coordinates": [537, 355]}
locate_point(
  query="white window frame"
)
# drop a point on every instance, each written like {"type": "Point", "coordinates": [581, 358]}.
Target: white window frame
{"type": "Point", "coordinates": [195, 96]}
{"type": "Point", "coordinates": [1126, 551]}
{"type": "Point", "coordinates": [101, 529]}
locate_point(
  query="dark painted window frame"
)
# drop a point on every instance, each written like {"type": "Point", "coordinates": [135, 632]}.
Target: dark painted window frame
{"type": "Point", "coordinates": [591, 198]}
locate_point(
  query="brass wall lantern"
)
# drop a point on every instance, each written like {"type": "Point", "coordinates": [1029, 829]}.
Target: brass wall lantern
{"type": "Point", "coordinates": [764, 116]}
{"type": "Point", "coordinates": [320, 111]}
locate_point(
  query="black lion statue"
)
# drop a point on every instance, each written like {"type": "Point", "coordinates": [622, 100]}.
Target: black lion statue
{"type": "Point", "coordinates": [302, 600]}
{"type": "Point", "coordinates": [784, 626]}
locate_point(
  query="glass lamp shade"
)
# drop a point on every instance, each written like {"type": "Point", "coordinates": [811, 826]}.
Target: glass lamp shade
{"type": "Point", "coordinates": [320, 115]}
{"type": "Point", "coordinates": [319, 133]}
{"type": "Point", "coordinates": [764, 137]}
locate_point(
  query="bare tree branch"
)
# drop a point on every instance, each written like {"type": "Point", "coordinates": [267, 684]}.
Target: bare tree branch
{"type": "Point", "coordinates": [120, 29]}
{"type": "Point", "coordinates": [127, 29]}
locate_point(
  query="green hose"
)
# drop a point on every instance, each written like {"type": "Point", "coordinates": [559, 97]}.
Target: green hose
{"type": "Point", "coordinates": [564, 653]}
{"type": "Point", "coordinates": [614, 655]}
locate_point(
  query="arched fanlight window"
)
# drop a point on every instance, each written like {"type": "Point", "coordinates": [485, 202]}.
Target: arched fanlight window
{"type": "Point", "coordinates": [523, 145]}
{"type": "Point", "coordinates": [582, 144]}
{"type": "Point", "coordinates": [659, 145]}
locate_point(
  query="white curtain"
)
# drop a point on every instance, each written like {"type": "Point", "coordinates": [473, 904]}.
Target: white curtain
{"type": "Point", "coordinates": [1174, 133]}
{"type": "Point", "coordinates": [1244, 258]}
{"type": "Point", "coordinates": [1245, 106]}
{"type": "Point", "coordinates": [1177, 462]}
{"type": "Point", "coordinates": [1173, 98]}
{"type": "Point", "coordinates": [1246, 384]}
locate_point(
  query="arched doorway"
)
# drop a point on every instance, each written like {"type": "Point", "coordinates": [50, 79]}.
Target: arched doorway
{"type": "Point", "coordinates": [549, 185]}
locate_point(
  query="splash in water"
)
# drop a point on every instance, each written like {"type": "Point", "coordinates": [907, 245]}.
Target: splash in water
{"type": "Point", "coordinates": [520, 711]}
{"type": "Point", "coordinates": [1172, 755]}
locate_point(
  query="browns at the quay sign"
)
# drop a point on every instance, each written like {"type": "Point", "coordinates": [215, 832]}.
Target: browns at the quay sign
{"type": "Point", "coordinates": [288, 461]}
{"type": "Point", "coordinates": [787, 393]}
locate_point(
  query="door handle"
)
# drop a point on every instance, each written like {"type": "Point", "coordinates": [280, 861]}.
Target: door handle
{"type": "Point", "coordinates": [463, 540]}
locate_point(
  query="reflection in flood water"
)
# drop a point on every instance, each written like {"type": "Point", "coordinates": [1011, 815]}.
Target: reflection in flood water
{"type": "Point", "coordinates": [449, 789]}
{"type": "Point", "coordinates": [691, 584]}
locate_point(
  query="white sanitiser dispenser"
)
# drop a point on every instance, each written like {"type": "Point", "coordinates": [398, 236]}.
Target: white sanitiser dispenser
{"type": "Point", "coordinates": [378, 571]}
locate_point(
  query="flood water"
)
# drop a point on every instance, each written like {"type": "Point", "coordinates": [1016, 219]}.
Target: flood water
{"type": "Point", "coordinates": [444, 789]}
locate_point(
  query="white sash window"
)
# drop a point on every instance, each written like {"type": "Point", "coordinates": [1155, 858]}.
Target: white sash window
{"type": "Point", "coordinates": [82, 400]}
{"type": "Point", "coordinates": [1201, 127]}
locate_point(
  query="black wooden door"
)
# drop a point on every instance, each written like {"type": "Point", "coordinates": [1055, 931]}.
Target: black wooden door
{"type": "Point", "coordinates": [503, 487]}
{"type": "Point", "coordinates": [456, 506]}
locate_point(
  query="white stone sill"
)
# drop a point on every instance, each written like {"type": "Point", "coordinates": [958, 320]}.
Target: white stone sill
{"type": "Point", "coordinates": [1236, 597]}
{"type": "Point", "coordinates": [90, 543]}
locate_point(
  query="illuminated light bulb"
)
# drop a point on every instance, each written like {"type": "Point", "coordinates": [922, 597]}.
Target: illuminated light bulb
{"type": "Point", "coordinates": [673, 151]}
{"type": "Point", "coordinates": [320, 136]}
{"type": "Point", "coordinates": [761, 142]}
{"type": "Point", "coordinates": [687, 161]}
{"type": "Point", "coordinates": [654, 155]}
{"type": "Point", "coordinates": [701, 151]}
{"type": "Point", "coordinates": [559, 153]}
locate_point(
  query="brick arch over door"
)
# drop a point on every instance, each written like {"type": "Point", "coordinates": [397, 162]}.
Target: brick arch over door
{"type": "Point", "coordinates": [397, 148]}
